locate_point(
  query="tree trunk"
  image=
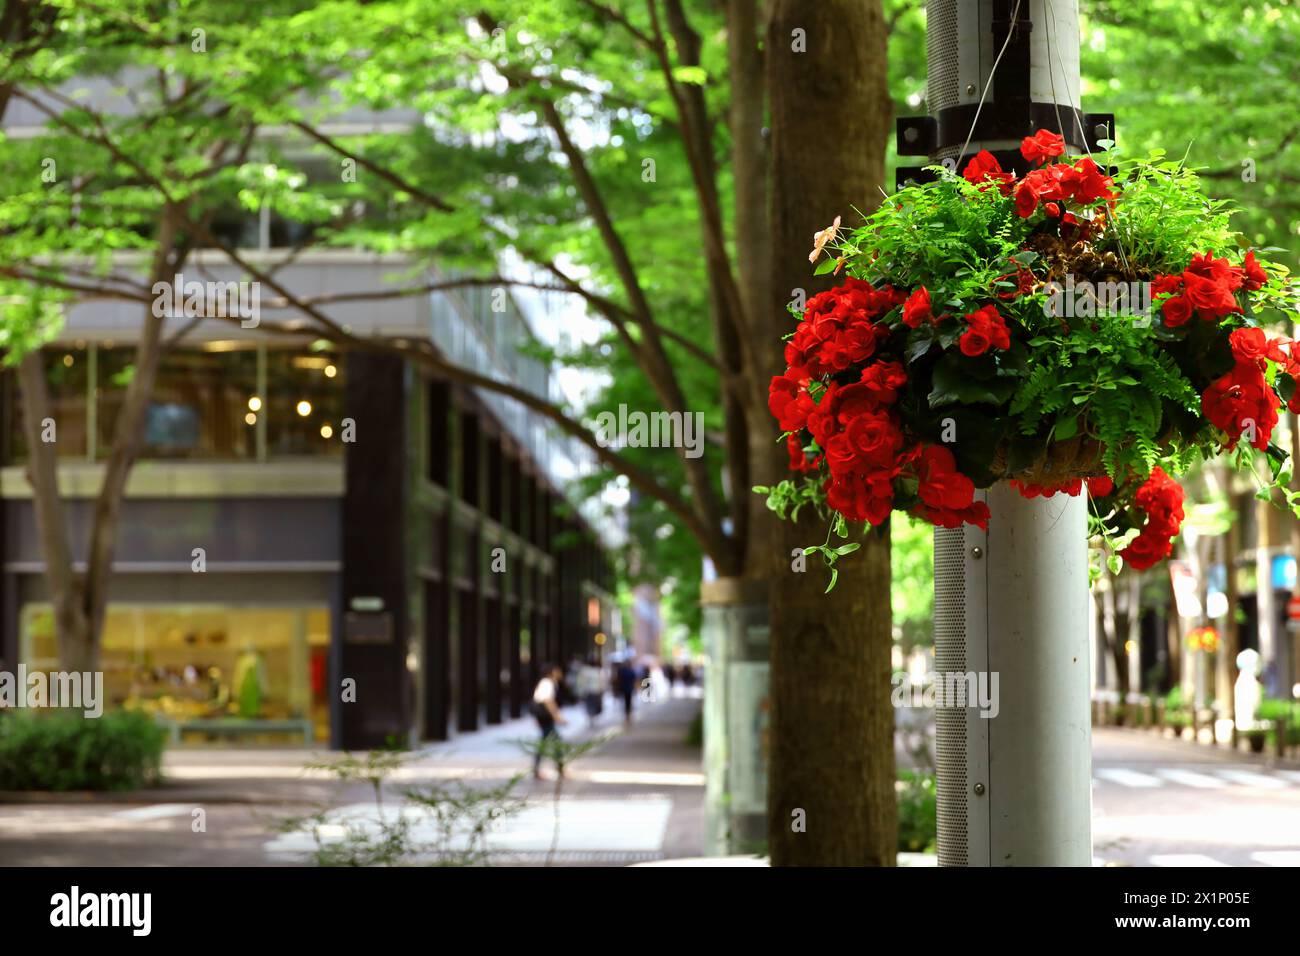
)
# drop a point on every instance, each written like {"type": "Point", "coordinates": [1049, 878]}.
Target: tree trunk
{"type": "Point", "coordinates": [832, 726]}
{"type": "Point", "coordinates": [79, 600]}
{"type": "Point", "coordinates": [65, 586]}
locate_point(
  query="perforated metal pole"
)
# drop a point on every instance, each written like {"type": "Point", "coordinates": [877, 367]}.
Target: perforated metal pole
{"type": "Point", "coordinates": [1012, 605]}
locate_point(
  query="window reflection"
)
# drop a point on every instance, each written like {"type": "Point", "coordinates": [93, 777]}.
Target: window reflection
{"type": "Point", "coordinates": [304, 403]}
{"type": "Point", "coordinates": [199, 403]}
{"type": "Point", "coordinates": [207, 403]}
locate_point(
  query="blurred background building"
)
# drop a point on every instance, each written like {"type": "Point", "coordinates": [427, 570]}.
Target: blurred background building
{"type": "Point", "coordinates": [300, 517]}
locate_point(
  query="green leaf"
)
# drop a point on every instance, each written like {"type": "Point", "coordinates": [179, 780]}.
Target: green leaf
{"type": "Point", "coordinates": [825, 266]}
{"type": "Point", "coordinates": [953, 385]}
{"type": "Point", "coordinates": [691, 74]}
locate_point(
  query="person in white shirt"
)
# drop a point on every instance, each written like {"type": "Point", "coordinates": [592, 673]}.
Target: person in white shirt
{"type": "Point", "coordinates": [546, 711]}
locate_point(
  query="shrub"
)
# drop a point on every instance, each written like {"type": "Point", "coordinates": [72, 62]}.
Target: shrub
{"type": "Point", "coordinates": [1283, 714]}
{"type": "Point", "coordinates": [64, 750]}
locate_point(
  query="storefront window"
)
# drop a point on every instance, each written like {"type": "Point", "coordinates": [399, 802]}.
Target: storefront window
{"type": "Point", "coordinates": [222, 675]}
{"type": "Point", "coordinates": [207, 403]}
{"type": "Point", "coordinates": [305, 403]}
{"type": "Point", "coordinates": [200, 406]}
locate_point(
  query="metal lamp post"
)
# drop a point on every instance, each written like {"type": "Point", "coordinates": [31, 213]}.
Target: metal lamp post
{"type": "Point", "coordinates": [1014, 786]}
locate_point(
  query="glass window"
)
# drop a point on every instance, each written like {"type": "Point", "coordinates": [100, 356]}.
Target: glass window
{"type": "Point", "coordinates": [305, 403]}
{"type": "Point", "coordinates": [208, 663]}
{"type": "Point", "coordinates": [204, 402]}
{"type": "Point", "coordinates": [67, 377]}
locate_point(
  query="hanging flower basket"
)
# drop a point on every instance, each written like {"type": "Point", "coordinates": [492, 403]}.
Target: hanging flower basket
{"type": "Point", "coordinates": [1065, 330]}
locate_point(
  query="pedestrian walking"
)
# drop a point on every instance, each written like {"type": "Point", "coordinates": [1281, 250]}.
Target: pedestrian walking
{"type": "Point", "coordinates": [627, 681]}
{"type": "Point", "coordinates": [546, 711]}
{"type": "Point", "coordinates": [591, 688]}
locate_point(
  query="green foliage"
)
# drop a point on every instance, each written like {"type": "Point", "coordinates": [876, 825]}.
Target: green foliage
{"type": "Point", "coordinates": [65, 750]}
{"type": "Point", "coordinates": [911, 557]}
{"type": "Point", "coordinates": [1285, 716]}
{"type": "Point", "coordinates": [917, 821]}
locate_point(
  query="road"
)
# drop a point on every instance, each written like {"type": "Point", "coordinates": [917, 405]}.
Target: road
{"type": "Point", "coordinates": [1158, 802]}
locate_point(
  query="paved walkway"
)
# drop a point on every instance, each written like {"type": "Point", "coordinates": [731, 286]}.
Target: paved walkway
{"type": "Point", "coordinates": [638, 796]}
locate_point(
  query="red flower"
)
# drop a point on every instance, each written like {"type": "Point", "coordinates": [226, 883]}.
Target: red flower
{"type": "Point", "coordinates": [1026, 199]}
{"type": "Point", "coordinates": [1166, 285]}
{"type": "Point", "coordinates": [985, 167]}
{"type": "Point", "coordinates": [869, 442]}
{"type": "Point", "coordinates": [1211, 296]}
{"type": "Point", "coordinates": [987, 330]}
{"type": "Point", "coordinates": [1249, 345]}
{"type": "Point", "coordinates": [868, 498]}
{"type": "Point", "coordinates": [1176, 310]}
{"type": "Point", "coordinates": [882, 380]}
{"type": "Point", "coordinates": [821, 420]}
{"type": "Point", "coordinates": [1038, 184]}
{"type": "Point", "coordinates": [1085, 183]}
{"type": "Point", "coordinates": [1162, 500]}
{"type": "Point", "coordinates": [1219, 270]}
{"type": "Point", "coordinates": [1042, 146]}
{"type": "Point", "coordinates": [947, 496]}
{"type": "Point", "coordinates": [917, 308]}
{"type": "Point", "coordinates": [798, 460]}
{"type": "Point", "coordinates": [789, 401]}
{"type": "Point", "coordinates": [1254, 273]}
{"type": "Point", "coordinates": [1147, 550]}
{"type": "Point", "coordinates": [1071, 488]}
{"type": "Point", "coordinates": [1239, 402]}
{"type": "Point", "coordinates": [1100, 486]}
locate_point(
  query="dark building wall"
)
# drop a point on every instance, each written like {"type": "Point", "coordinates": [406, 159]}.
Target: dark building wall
{"type": "Point", "coordinates": [371, 648]}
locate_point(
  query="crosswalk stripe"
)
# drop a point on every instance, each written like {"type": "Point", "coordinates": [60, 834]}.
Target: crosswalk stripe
{"type": "Point", "coordinates": [1128, 778]}
{"type": "Point", "coordinates": [1277, 857]}
{"type": "Point", "coordinates": [1184, 859]}
{"type": "Point", "coordinates": [1248, 779]}
{"type": "Point", "coordinates": [1189, 778]}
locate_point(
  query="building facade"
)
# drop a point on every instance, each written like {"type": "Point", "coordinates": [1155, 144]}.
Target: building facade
{"type": "Point", "coordinates": [320, 547]}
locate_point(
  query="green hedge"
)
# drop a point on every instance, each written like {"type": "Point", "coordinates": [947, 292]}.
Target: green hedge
{"type": "Point", "coordinates": [1283, 713]}
{"type": "Point", "coordinates": [64, 750]}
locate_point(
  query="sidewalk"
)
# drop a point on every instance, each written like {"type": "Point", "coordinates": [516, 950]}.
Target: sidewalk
{"type": "Point", "coordinates": [637, 797]}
